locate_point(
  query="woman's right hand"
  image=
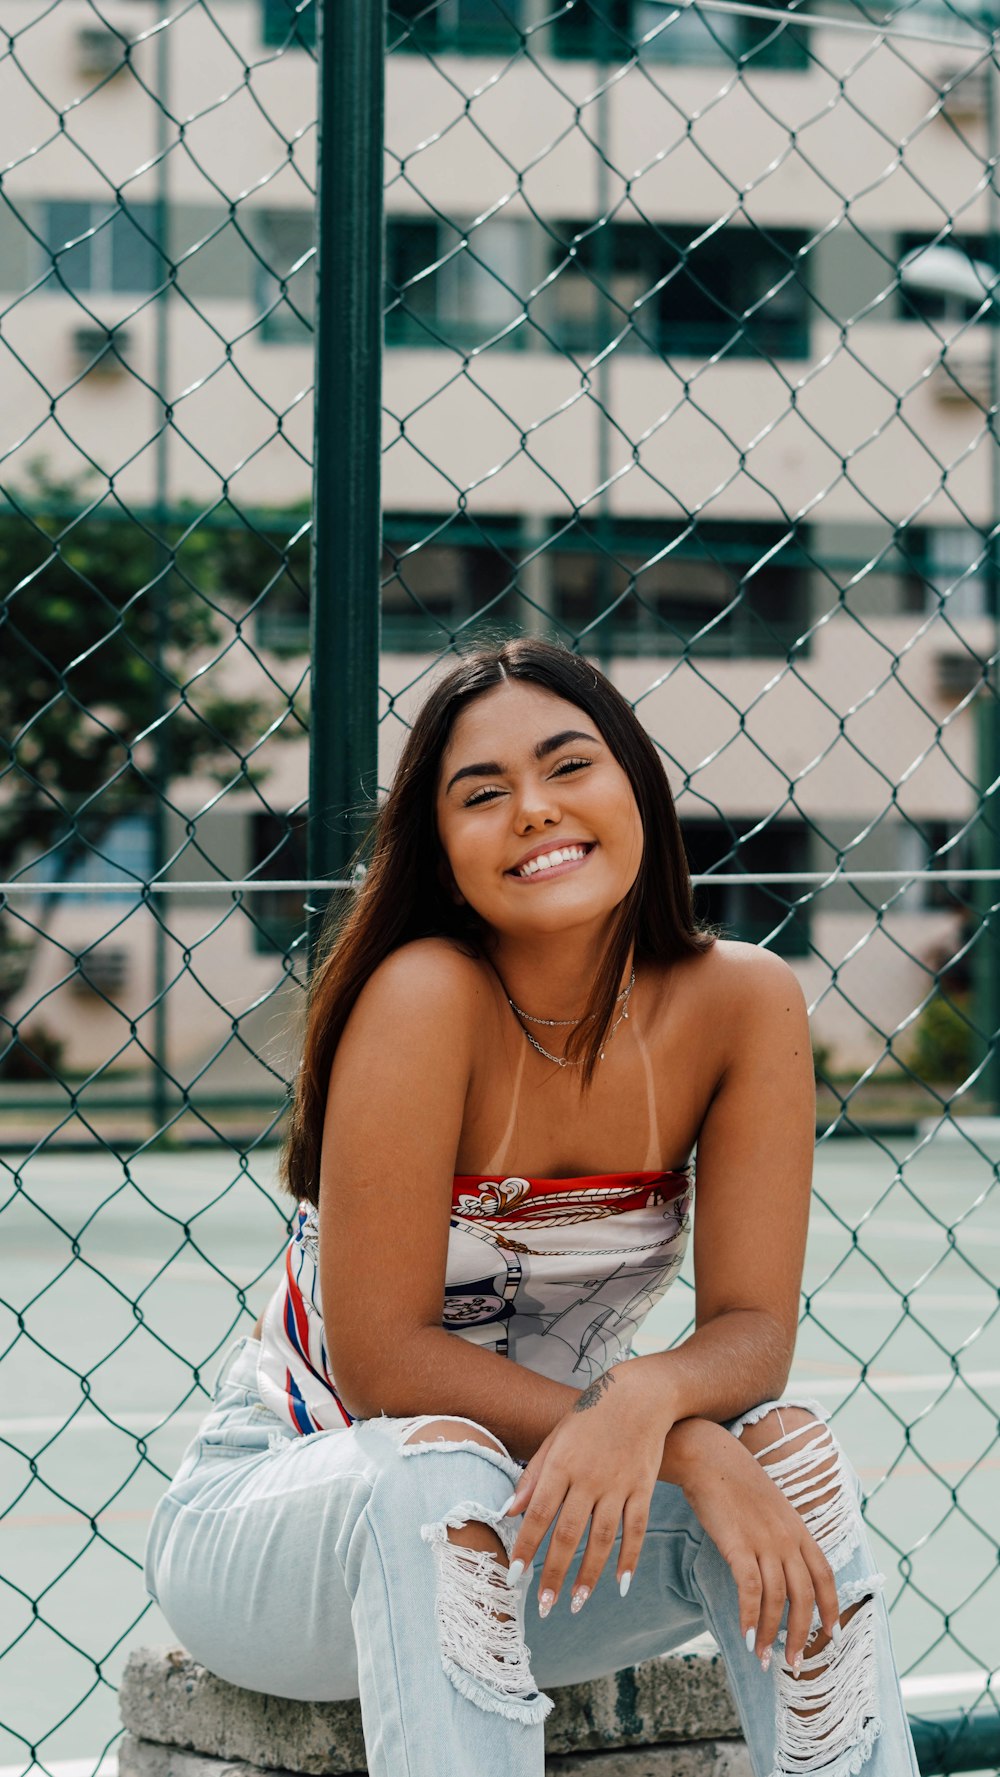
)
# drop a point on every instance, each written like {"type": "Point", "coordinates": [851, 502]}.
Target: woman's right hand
{"type": "Point", "coordinates": [771, 1554]}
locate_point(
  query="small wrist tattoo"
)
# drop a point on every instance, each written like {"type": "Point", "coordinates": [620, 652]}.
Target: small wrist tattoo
{"type": "Point", "coordinates": [591, 1395]}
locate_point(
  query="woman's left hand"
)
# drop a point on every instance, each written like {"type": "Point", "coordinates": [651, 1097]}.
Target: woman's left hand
{"type": "Point", "coordinates": [600, 1462]}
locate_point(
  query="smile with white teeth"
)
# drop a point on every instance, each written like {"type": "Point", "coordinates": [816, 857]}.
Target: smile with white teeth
{"type": "Point", "coordinates": [551, 859]}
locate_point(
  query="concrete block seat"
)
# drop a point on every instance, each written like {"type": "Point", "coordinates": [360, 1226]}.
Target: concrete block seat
{"type": "Point", "coordinates": [669, 1717]}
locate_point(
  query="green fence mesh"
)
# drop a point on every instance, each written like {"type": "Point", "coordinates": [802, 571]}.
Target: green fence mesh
{"type": "Point", "coordinates": [692, 360]}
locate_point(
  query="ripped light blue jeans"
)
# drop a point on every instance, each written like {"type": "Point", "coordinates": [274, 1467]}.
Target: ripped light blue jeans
{"type": "Point", "coordinates": [321, 1568]}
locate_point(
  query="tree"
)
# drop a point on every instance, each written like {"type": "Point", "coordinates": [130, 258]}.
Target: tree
{"type": "Point", "coordinates": [113, 642]}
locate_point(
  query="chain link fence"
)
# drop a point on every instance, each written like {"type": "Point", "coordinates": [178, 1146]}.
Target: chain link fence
{"type": "Point", "coordinates": [691, 361]}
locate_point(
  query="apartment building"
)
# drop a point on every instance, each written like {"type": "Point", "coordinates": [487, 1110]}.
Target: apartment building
{"type": "Point", "coordinates": [689, 339]}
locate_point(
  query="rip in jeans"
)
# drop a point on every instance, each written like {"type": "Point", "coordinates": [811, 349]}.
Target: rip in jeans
{"type": "Point", "coordinates": [827, 1718]}
{"type": "Point", "coordinates": [479, 1614]}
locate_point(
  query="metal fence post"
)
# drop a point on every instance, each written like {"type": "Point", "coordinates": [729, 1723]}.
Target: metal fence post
{"type": "Point", "coordinates": [160, 774]}
{"type": "Point", "coordinates": [986, 708]}
{"type": "Point", "coordinates": [344, 616]}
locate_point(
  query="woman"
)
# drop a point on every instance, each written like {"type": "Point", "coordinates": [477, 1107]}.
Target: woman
{"type": "Point", "coordinates": [514, 1042]}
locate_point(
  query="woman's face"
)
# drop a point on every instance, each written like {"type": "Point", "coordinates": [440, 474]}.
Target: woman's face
{"type": "Point", "coordinates": [506, 794]}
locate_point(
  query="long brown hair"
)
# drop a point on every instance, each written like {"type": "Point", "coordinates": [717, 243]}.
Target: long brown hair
{"type": "Point", "coordinates": [404, 893]}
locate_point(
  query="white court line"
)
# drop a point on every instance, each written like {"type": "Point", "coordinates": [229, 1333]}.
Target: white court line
{"type": "Point", "coordinates": [888, 1298]}
{"type": "Point", "coordinates": [931, 1685]}
{"type": "Point", "coordinates": [136, 1422]}
{"type": "Point", "coordinates": [823, 1387]}
{"type": "Point", "coordinates": [902, 1229]}
{"type": "Point", "coordinates": [949, 1684]}
{"type": "Point", "coordinates": [828, 1386]}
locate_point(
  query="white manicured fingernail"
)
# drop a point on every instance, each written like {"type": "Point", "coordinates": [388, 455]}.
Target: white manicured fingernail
{"type": "Point", "coordinates": [545, 1602]}
{"type": "Point", "coordinates": [514, 1572]}
{"type": "Point", "coordinates": [625, 1582]}
{"type": "Point", "coordinates": [751, 1640]}
{"type": "Point", "coordinates": [837, 1633]}
{"type": "Point", "coordinates": [505, 1508]}
{"type": "Point", "coordinates": [579, 1598]}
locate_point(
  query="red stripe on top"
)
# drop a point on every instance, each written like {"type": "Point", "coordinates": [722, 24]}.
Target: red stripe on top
{"type": "Point", "coordinates": [547, 1187]}
{"type": "Point", "coordinates": [298, 1307]}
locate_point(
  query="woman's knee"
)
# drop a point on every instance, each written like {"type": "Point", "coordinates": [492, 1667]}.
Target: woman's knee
{"type": "Point", "coordinates": [453, 1470]}
{"type": "Point", "coordinates": [795, 1444]}
{"type": "Point", "coordinates": [479, 1614]}
{"type": "Point", "coordinates": [827, 1701]}
{"type": "Point", "coordinates": [475, 1534]}
{"type": "Point", "coordinates": [452, 1431]}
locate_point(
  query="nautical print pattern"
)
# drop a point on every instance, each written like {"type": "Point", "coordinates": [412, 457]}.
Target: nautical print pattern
{"type": "Point", "coordinates": [557, 1274]}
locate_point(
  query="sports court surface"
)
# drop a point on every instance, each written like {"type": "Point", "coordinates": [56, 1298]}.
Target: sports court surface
{"type": "Point", "coordinates": [118, 1306]}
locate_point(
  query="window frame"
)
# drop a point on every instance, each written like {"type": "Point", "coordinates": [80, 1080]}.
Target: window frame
{"type": "Point", "coordinates": [100, 278]}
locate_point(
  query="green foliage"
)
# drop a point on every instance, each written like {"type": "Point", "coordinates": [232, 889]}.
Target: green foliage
{"type": "Point", "coordinates": [113, 643]}
{"type": "Point", "coordinates": [942, 1046]}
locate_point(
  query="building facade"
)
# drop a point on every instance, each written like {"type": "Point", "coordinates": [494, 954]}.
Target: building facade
{"type": "Point", "coordinates": [689, 347]}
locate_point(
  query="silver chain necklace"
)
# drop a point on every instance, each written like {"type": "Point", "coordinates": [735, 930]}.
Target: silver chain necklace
{"type": "Point", "coordinates": [562, 1060]}
{"type": "Point", "coordinates": [531, 1019]}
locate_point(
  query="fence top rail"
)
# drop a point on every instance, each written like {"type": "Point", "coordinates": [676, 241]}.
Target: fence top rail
{"type": "Point", "coordinates": [287, 885]}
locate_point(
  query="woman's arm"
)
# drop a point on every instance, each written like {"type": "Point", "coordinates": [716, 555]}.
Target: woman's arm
{"type": "Point", "coordinates": [754, 1172]}
{"type": "Point", "coordinates": [754, 1176]}
{"type": "Point", "coordinates": [393, 1120]}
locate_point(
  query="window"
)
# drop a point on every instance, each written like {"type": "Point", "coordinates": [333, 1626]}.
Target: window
{"type": "Point", "coordinates": [936, 845]}
{"type": "Point", "coordinates": [752, 912]}
{"type": "Point", "coordinates": [446, 288]}
{"type": "Point", "coordinates": [472, 27]}
{"type": "Point", "coordinates": [679, 292]}
{"type": "Point", "coordinates": [734, 590]}
{"type": "Point", "coordinates": [949, 571]}
{"type": "Point", "coordinates": [284, 240]}
{"type": "Point", "coordinates": [119, 255]}
{"type": "Point", "coordinates": [737, 291]}
{"type": "Point", "coordinates": [658, 31]}
{"type": "Point", "coordinates": [278, 854]}
{"type": "Point", "coordinates": [289, 23]}
{"type": "Point", "coordinates": [611, 28]}
{"type": "Point", "coordinates": [441, 580]}
{"type": "Point", "coordinates": [120, 852]}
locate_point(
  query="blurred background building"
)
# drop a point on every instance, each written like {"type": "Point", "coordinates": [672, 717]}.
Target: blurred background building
{"type": "Point", "coordinates": [689, 346]}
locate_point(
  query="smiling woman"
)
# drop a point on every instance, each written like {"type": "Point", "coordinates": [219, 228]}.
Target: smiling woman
{"type": "Point", "coordinates": [517, 1036]}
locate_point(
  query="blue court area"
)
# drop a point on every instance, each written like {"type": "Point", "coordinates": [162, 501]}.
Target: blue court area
{"type": "Point", "coordinates": [126, 1285]}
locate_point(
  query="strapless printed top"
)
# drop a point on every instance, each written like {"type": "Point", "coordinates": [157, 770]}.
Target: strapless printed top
{"type": "Point", "coordinates": [558, 1274]}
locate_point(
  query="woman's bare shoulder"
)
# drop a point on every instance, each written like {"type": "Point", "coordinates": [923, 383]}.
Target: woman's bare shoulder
{"type": "Point", "coordinates": [425, 988]}
{"type": "Point", "coordinates": [742, 965]}
{"type": "Point", "coordinates": [737, 978]}
{"type": "Point", "coordinates": [432, 972]}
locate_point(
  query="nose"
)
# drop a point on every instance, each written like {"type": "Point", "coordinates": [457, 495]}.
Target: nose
{"type": "Point", "coordinates": [535, 805]}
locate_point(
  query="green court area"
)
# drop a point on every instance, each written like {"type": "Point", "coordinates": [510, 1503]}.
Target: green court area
{"type": "Point", "coordinates": [119, 1288]}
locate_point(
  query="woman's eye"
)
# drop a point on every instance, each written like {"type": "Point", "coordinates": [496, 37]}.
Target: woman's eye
{"type": "Point", "coordinates": [490, 795]}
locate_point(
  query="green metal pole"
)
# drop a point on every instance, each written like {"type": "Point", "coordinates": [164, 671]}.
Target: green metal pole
{"type": "Point", "coordinates": [986, 708]}
{"type": "Point", "coordinates": [346, 535]}
{"type": "Point", "coordinates": [159, 910]}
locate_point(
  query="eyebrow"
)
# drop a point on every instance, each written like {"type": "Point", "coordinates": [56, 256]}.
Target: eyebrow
{"type": "Point", "coordinates": [542, 750]}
